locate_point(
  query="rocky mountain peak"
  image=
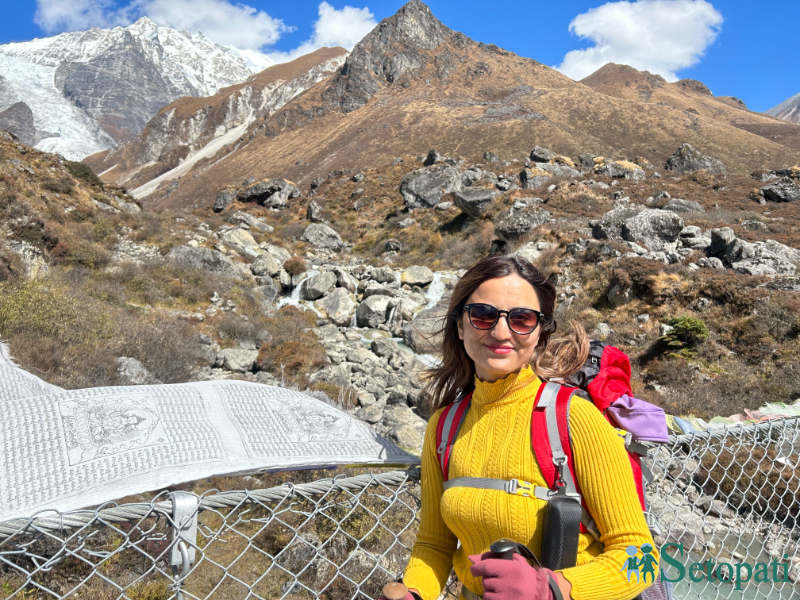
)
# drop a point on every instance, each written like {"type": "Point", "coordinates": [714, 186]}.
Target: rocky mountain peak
{"type": "Point", "coordinates": [394, 48]}
{"type": "Point", "coordinates": [788, 110]}
{"type": "Point", "coordinates": [413, 26]}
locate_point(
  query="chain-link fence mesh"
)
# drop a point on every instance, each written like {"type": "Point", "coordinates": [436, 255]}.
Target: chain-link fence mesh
{"type": "Point", "coordinates": [730, 496]}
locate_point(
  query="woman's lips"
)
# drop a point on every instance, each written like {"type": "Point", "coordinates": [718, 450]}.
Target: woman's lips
{"type": "Point", "coordinates": [500, 349]}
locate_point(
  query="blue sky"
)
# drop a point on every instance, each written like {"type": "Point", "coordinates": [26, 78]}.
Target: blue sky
{"type": "Point", "coordinates": [737, 48]}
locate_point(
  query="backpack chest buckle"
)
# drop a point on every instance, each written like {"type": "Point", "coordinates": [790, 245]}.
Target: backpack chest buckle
{"type": "Point", "coordinates": [517, 487]}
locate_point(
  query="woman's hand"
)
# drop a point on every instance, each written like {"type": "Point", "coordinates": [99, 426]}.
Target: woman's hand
{"type": "Point", "coordinates": [511, 579]}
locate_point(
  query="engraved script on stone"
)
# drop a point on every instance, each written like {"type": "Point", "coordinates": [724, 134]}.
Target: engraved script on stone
{"type": "Point", "coordinates": [80, 448]}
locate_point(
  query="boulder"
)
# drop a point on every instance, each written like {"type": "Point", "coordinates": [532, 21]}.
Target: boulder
{"type": "Point", "coordinates": [768, 258]}
{"type": "Point", "coordinates": [519, 222]}
{"type": "Point", "coordinates": [242, 218]}
{"type": "Point", "coordinates": [241, 240]}
{"type": "Point", "coordinates": [651, 227]}
{"type": "Point", "coordinates": [376, 289]}
{"type": "Point", "coordinates": [323, 237]}
{"type": "Point", "coordinates": [558, 170]}
{"type": "Point", "coordinates": [314, 212]}
{"type": "Point", "coordinates": [224, 199]}
{"type": "Point", "coordinates": [475, 202]}
{"type": "Point", "coordinates": [370, 413]}
{"type": "Point", "coordinates": [383, 274]}
{"type": "Point", "coordinates": [273, 193]}
{"type": "Point", "coordinates": [721, 239]}
{"type": "Point", "coordinates": [432, 158]}
{"type": "Point", "coordinates": [204, 259]}
{"type": "Point", "coordinates": [345, 280]}
{"type": "Point", "coordinates": [384, 347]}
{"type": "Point", "coordinates": [238, 359]}
{"type": "Point", "coordinates": [393, 245]}
{"type": "Point", "coordinates": [542, 155]}
{"type": "Point", "coordinates": [359, 355]}
{"type": "Point", "coordinates": [420, 335]}
{"type": "Point", "coordinates": [621, 170]}
{"type": "Point", "coordinates": [334, 374]}
{"type": "Point", "coordinates": [329, 334]}
{"type": "Point", "coordinates": [282, 254]}
{"type": "Point", "coordinates": [416, 275]}
{"type": "Point", "coordinates": [372, 311]}
{"type": "Point", "coordinates": [710, 262]}
{"type": "Point", "coordinates": [474, 174]}
{"type": "Point", "coordinates": [688, 160]}
{"type": "Point", "coordinates": [269, 291]}
{"type": "Point", "coordinates": [586, 160]}
{"type": "Point", "coordinates": [134, 372]}
{"type": "Point", "coordinates": [532, 251]}
{"type": "Point", "coordinates": [490, 156]}
{"type": "Point", "coordinates": [692, 237]}
{"type": "Point", "coordinates": [678, 205]}
{"type": "Point", "coordinates": [315, 286]}
{"type": "Point", "coordinates": [532, 179]}
{"type": "Point", "coordinates": [424, 188]}
{"type": "Point", "coordinates": [408, 437]}
{"type": "Point", "coordinates": [265, 265]}
{"type": "Point", "coordinates": [783, 190]}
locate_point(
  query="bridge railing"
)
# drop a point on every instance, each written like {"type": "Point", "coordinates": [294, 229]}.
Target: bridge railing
{"type": "Point", "coordinates": [730, 495]}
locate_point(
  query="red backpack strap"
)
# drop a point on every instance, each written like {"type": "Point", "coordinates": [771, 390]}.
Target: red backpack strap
{"type": "Point", "coordinates": [447, 429]}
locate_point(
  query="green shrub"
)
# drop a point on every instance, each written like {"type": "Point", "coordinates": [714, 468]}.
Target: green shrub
{"type": "Point", "coordinates": [83, 171]}
{"type": "Point", "coordinates": [59, 186]}
{"type": "Point", "coordinates": [686, 334]}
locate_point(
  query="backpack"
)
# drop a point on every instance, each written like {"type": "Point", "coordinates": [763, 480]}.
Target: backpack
{"type": "Point", "coordinates": [605, 380]}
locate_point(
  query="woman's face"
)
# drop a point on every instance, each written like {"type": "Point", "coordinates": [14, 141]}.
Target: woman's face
{"type": "Point", "coordinates": [499, 351]}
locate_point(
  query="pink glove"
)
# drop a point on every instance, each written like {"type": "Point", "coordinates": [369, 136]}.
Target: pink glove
{"type": "Point", "coordinates": [408, 597]}
{"type": "Point", "coordinates": [511, 579]}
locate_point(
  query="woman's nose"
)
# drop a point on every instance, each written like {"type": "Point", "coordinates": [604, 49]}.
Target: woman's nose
{"type": "Point", "coordinates": [500, 329]}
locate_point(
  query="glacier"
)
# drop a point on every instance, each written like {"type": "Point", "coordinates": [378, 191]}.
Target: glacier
{"type": "Point", "coordinates": [190, 64]}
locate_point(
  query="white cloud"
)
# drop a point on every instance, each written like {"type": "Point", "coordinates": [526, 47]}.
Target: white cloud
{"type": "Point", "coordinates": [660, 36]}
{"type": "Point", "coordinates": [239, 25]}
{"type": "Point", "coordinates": [55, 16]}
{"type": "Point", "coordinates": [343, 27]}
{"type": "Point", "coordinates": [225, 22]}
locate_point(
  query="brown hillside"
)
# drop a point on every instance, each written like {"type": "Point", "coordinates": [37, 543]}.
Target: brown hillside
{"type": "Point", "coordinates": [413, 84]}
{"type": "Point", "coordinates": [187, 124]}
{"type": "Point", "coordinates": [623, 81]}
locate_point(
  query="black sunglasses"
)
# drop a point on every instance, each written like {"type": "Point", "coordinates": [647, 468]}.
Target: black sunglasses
{"type": "Point", "coordinates": [522, 321]}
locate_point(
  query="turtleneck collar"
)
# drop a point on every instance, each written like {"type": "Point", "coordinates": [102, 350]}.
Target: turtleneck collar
{"type": "Point", "coordinates": [503, 390]}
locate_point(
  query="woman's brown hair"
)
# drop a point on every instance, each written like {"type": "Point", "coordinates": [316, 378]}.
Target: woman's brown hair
{"type": "Point", "coordinates": [551, 360]}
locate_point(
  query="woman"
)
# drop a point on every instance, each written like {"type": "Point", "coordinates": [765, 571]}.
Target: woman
{"type": "Point", "coordinates": [503, 359]}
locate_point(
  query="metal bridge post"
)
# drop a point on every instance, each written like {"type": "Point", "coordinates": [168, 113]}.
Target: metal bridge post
{"type": "Point", "coordinates": [184, 536]}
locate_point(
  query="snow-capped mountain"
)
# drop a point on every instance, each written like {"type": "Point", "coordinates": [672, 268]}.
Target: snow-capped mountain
{"type": "Point", "coordinates": [788, 110]}
{"type": "Point", "coordinates": [99, 87]}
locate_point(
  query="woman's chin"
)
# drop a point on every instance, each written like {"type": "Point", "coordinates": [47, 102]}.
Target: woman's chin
{"type": "Point", "coordinates": [502, 365]}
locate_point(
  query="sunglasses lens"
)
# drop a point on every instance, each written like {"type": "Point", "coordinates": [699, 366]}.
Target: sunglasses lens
{"type": "Point", "coordinates": [483, 316]}
{"type": "Point", "coordinates": [523, 320]}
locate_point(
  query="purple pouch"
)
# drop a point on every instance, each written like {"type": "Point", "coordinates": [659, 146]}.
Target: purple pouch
{"type": "Point", "coordinates": [643, 420]}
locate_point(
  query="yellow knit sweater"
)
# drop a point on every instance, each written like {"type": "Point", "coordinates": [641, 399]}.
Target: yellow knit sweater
{"type": "Point", "coordinates": [495, 442]}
